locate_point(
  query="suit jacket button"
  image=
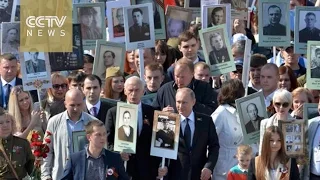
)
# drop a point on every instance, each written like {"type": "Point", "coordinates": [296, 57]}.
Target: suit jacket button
{"type": "Point", "coordinates": [235, 143]}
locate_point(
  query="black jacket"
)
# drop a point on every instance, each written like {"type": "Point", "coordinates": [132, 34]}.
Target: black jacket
{"type": "Point", "coordinates": [104, 107]}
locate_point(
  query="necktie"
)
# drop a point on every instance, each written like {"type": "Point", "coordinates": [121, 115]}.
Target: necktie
{"type": "Point", "coordinates": [187, 134]}
{"type": "Point", "coordinates": [7, 95]}
{"type": "Point", "coordinates": [93, 111]}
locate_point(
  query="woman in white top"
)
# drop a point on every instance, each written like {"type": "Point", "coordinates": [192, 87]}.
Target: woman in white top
{"type": "Point", "coordinates": [282, 102]}
{"type": "Point", "coordinates": [228, 127]}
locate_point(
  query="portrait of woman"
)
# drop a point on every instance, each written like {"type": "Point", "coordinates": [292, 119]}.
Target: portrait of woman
{"type": "Point", "coordinates": [88, 19]}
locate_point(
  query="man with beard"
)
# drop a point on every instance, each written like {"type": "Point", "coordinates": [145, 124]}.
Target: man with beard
{"type": "Point", "coordinates": [219, 53]}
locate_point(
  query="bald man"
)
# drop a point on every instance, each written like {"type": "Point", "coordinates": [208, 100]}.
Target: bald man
{"type": "Point", "coordinates": [140, 165]}
{"type": "Point", "coordinates": [61, 127]}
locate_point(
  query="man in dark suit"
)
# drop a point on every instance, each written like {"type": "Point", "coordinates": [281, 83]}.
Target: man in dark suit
{"type": "Point", "coordinates": [92, 90]}
{"type": "Point", "coordinates": [310, 32]}
{"type": "Point", "coordinates": [255, 120]}
{"type": "Point", "coordinates": [219, 53]}
{"type": "Point", "coordinates": [140, 166]}
{"type": "Point", "coordinates": [274, 28]}
{"type": "Point", "coordinates": [35, 65]}
{"type": "Point", "coordinates": [139, 31]}
{"type": "Point", "coordinates": [198, 149]}
{"type": "Point", "coordinates": [8, 73]}
{"type": "Point", "coordinates": [83, 164]}
{"type": "Point", "coordinates": [125, 132]}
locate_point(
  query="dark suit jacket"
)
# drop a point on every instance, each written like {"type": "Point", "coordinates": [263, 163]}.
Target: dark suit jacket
{"type": "Point", "coordinates": [41, 67]}
{"type": "Point", "coordinates": [249, 126]}
{"type": "Point", "coordinates": [77, 166]}
{"type": "Point", "coordinates": [104, 107]}
{"type": "Point", "coordinates": [141, 165]}
{"type": "Point", "coordinates": [204, 138]}
{"type": "Point", "coordinates": [122, 136]}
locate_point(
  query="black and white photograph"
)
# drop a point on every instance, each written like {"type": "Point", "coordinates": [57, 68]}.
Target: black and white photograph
{"type": "Point", "coordinates": [239, 8]}
{"type": "Point", "coordinates": [313, 67]}
{"type": "Point", "coordinates": [289, 128]}
{"type": "Point", "coordinates": [61, 61]}
{"type": "Point", "coordinates": [15, 11]}
{"type": "Point", "coordinates": [116, 23]}
{"type": "Point", "coordinates": [315, 62]}
{"type": "Point", "coordinates": [297, 139]}
{"type": "Point", "coordinates": [295, 136]}
{"type": "Point", "coordinates": [191, 3]}
{"type": "Point", "coordinates": [251, 112]}
{"type": "Point", "coordinates": [79, 140]}
{"type": "Point", "coordinates": [310, 110]}
{"type": "Point", "coordinates": [289, 139]}
{"type": "Point", "coordinates": [34, 62]}
{"type": "Point", "coordinates": [91, 17]}
{"type": "Point", "coordinates": [108, 54]}
{"type": "Point", "coordinates": [5, 10]}
{"type": "Point", "coordinates": [289, 148]}
{"type": "Point", "coordinates": [139, 26]}
{"type": "Point", "coordinates": [165, 135]}
{"type": "Point", "coordinates": [297, 148]}
{"type": "Point", "coordinates": [10, 33]}
{"type": "Point", "coordinates": [177, 20]}
{"type": "Point", "coordinates": [297, 128]}
{"type": "Point", "coordinates": [126, 128]}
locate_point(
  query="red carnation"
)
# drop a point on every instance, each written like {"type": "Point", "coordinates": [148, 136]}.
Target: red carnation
{"type": "Point", "coordinates": [44, 155]}
{"type": "Point", "coordinates": [47, 140]}
{"type": "Point", "coordinates": [49, 133]}
{"type": "Point", "coordinates": [38, 143]}
{"type": "Point", "coordinates": [37, 153]}
{"type": "Point", "coordinates": [35, 135]}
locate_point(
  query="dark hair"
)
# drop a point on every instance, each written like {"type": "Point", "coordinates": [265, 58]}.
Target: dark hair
{"type": "Point", "coordinates": [137, 10]}
{"type": "Point", "coordinates": [91, 124]}
{"type": "Point", "coordinates": [186, 36]}
{"type": "Point", "coordinates": [230, 91]}
{"type": "Point", "coordinates": [93, 77]}
{"type": "Point", "coordinates": [164, 49]}
{"type": "Point", "coordinates": [126, 112]}
{"type": "Point", "coordinates": [87, 11]}
{"type": "Point", "coordinates": [154, 67]}
{"type": "Point", "coordinates": [112, 53]}
{"type": "Point", "coordinates": [274, 6]}
{"type": "Point", "coordinates": [258, 60]}
{"type": "Point", "coordinates": [76, 76]}
{"type": "Point", "coordinates": [216, 10]}
{"type": "Point", "coordinates": [8, 57]}
{"type": "Point", "coordinates": [310, 14]}
{"type": "Point", "coordinates": [87, 58]}
{"type": "Point", "coordinates": [293, 80]}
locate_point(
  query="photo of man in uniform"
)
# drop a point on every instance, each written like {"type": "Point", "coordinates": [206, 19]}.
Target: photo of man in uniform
{"type": "Point", "coordinates": [4, 15]}
{"type": "Point", "coordinates": [255, 120]}
{"type": "Point", "coordinates": [274, 28]}
{"type": "Point", "coordinates": [315, 64]}
{"type": "Point", "coordinates": [125, 132]}
{"type": "Point", "coordinates": [118, 30]}
{"type": "Point", "coordinates": [139, 31]}
{"type": "Point", "coordinates": [165, 136]}
{"type": "Point", "coordinates": [219, 53]}
{"type": "Point", "coordinates": [217, 17]}
{"type": "Point", "coordinates": [108, 60]}
{"type": "Point", "coordinates": [35, 65]}
{"type": "Point", "coordinates": [310, 32]}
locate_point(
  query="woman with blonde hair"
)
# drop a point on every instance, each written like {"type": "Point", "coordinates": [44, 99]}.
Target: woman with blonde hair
{"type": "Point", "coordinates": [114, 87]}
{"type": "Point", "coordinates": [273, 163]}
{"type": "Point", "coordinates": [300, 96]}
{"type": "Point", "coordinates": [26, 119]}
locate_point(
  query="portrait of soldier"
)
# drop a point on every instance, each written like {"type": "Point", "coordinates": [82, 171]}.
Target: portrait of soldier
{"type": "Point", "coordinates": [254, 122]}
{"type": "Point", "coordinates": [310, 32]}
{"type": "Point", "coordinates": [217, 17]}
{"type": "Point", "coordinates": [118, 30]}
{"type": "Point", "coordinates": [274, 28]}
{"type": "Point", "coordinates": [165, 136]}
{"type": "Point", "coordinates": [11, 41]}
{"type": "Point", "coordinates": [4, 15]}
{"type": "Point", "coordinates": [35, 65]}
{"type": "Point", "coordinates": [219, 53]}
{"type": "Point", "coordinates": [315, 64]}
{"type": "Point", "coordinates": [139, 31]}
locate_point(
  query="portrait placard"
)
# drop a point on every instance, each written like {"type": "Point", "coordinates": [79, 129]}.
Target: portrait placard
{"type": "Point", "coordinates": [116, 22]}
{"type": "Point", "coordinates": [139, 26]}
{"type": "Point", "coordinates": [246, 64]}
{"type": "Point", "coordinates": [239, 8]}
{"type": "Point", "coordinates": [216, 50]}
{"type": "Point", "coordinates": [79, 140]}
{"type": "Point", "coordinates": [62, 61]}
{"type": "Point", "coordinates": [274, 23]}
{"type": "Point", "coordinates": [308, 27]}
{"type": "Point", "coordinates": [108, 54]}
{"type": "Point", "coordinates": [252, 110]}
{"type": "Point", "coordinates": [313, 65]}
{"type": "Point", "coordinates": [310, 110]}
{"type": "Point", "coordinates": [177, 20]}
{"type": "Point", "coordinates": [94, 28]}
{"type": "Point", "coordinates": [165, 135]}
{"type": "Point", "coordinates": [158, 17]}
{"type": "Point", "coordinates": [126, 128]}
{"type": "Point", "coordinates": [214, 15]}
{"type": "Point", "coordinates": [35, 70]}
{"type": "Point", "coordinates": [294, 135]}
{"type": "Point", "coordinates": [15, 13]}
{"type": "Point", "coordinates": [10, 35]}
{"type": "Point", "coordinates": [6, 10]}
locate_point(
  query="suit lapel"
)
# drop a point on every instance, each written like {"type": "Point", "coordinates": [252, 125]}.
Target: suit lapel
{"type": "Point", "coordinates": [1, 94]}
{"type": "Point", "coordinates": [83, 166]}
{"type": "Point", "coordinates": [197, 127]}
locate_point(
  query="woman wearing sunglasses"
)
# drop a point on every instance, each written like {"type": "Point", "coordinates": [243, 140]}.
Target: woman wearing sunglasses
{"type": "Point", "coordinates": [282, 102]}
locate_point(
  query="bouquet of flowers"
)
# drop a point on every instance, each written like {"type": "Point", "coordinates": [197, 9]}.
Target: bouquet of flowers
{"type": "Point", "coordinates": [39, 149]}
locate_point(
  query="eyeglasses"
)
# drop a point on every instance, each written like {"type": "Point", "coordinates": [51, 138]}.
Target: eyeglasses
{"type": "Point", "coordinates": [58, 86]}
{"type": "Point", "coordinates": [284, 105]}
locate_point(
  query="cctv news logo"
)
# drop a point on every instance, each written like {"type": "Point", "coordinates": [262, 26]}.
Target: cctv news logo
{"type": "Point", "coordinates": [46, 25]}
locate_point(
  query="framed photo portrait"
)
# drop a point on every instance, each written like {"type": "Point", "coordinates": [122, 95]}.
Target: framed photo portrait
{"type": "Point", "coordinates": [274, 24]}
{"type": "Point", "coordinates": [252, 110]}
{"type": "Point", "coordinates": [310, 110]}
{"type": "Point", "coordinates": [294, 134]}
{"type": "Point", "coordinates": [126, 128]}
{"type": "Point", "coordinates": [116, 22]}
{"type": "Point", "coordinates": [6, 10]}
{"type": "Point", "coordinates": [239, 8]}
{"type": "Point", "coordinates": [313, 67]}
{"type": "Point", "coordinates": [108, 54]}
{"type": "Point", "coordinates": [35, 70]}
{"type": "Point", "coordinates": [91, 17]}
{"type": "Point", "coordinates": [62, 61]}
{"type": "Point", "coordinates": [177, 20]}
{"type": "Point", "coordinates": [158, 16]}
{"type": "Point", "coordinates": [216, 49]}
{"type": "Point", "coordinates": [165, 135]}
{"type": "Point", "coordinates": [308, 27]}
{"type": "Point", "coordinates": [10, 35]}
{"type": "Point", "coordinates": [79, 140]}
{"type": "Point", "coordinates": [214, 15]}
{"type": "Point", "coordinates": [139, 26]}
{"type": "Point", "coordinates": [15, 13]}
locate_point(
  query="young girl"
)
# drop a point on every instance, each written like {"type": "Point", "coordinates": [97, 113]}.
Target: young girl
{"type": "Point", "coordinates": [239, 172]}
{"type": "Point", "coordinates": [273, 163]}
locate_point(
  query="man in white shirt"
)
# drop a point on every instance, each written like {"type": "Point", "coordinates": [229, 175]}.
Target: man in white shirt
{"type": "Point", "coordinates": [269, 79]}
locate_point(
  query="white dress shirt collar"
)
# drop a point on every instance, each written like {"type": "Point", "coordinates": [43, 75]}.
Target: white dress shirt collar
{"type": "Point", "coordinates": [251, 85]}
{"type": "Point", "coordinates": [196, 60]}
{"type": "Point", "coordinates": [190, 117]}
{"type": "Point", "coordinates": [97, 106]}
{"type": "Point", "coordinates": [12, 82]}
